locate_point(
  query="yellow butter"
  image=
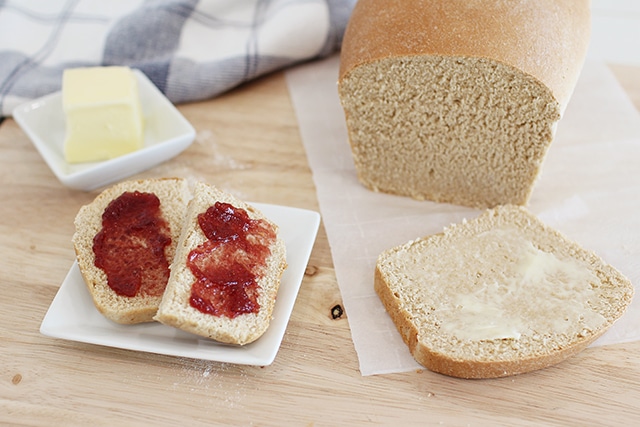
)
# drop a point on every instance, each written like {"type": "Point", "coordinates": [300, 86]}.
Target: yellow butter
{"type": "Point", "coordinates": [103, 113]}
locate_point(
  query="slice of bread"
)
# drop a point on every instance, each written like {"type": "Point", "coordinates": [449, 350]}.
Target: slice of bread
{"type": "Point", "coordinates": [173, 195]}
{"type": "Point", "coordinates": [176, 309]}
{"type": "Point", "coordinates": [499, 295]}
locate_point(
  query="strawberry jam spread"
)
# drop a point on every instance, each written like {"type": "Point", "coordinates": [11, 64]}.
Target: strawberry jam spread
{"type": "Point", "coordinates": [130, 247]}
{"type": "Point", "coordinates": [229, 263]}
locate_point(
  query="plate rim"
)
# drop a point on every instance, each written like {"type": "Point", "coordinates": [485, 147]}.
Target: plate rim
{"type": "Point", "coordinates": [24, 112]}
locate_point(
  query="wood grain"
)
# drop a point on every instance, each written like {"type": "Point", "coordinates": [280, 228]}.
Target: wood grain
{"type": "Point", "coordinates": [248, 143]}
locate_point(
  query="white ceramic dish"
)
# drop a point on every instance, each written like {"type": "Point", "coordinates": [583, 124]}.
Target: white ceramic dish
{"type": "Point", "coordinates": [167, 133]}
{"type": "Point", "coordinates": [72, 315]}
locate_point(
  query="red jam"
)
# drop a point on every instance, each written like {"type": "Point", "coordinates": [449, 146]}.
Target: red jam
{"type": "Point", "coordinates": [228, 265]}
{"type": "Point", "coordinates": [130, 248]}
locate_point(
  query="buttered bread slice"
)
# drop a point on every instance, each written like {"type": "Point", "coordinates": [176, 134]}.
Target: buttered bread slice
{"type": "Point", "coordinates": [497, 296]}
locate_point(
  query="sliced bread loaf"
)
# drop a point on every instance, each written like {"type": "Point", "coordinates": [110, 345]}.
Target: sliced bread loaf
{"type": "Point", "coordinates": [457, 100]}
{"type": "Point", "coordinates": [125, 240]}
{"type": "Point", "coordinates": [226, 271]}
{"type": "Point", "coordinates": [499, 295]}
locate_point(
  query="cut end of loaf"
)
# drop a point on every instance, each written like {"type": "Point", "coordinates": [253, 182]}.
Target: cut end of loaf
{"type": "Point", "coordinates": [499, 295]}
{"type": "Point", "coordinates": [468, 131]}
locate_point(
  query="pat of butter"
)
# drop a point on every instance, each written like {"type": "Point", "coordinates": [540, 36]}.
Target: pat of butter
{"type": "Point", "coordinates": [103, 113]}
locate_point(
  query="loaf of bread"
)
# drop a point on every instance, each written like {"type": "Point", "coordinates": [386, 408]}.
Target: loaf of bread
{"type": "Point", "coordinates": [457, 100]}
{"type": "Point", "coordinates": [499, 295]}
{"type": "Point", "coordinates": [136, 247]}
{"type": "Point", "coordinates": [226, 271]}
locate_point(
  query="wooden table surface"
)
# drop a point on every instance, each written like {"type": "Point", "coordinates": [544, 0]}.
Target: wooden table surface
{"type": "Point", "coordinates": [248, 143]}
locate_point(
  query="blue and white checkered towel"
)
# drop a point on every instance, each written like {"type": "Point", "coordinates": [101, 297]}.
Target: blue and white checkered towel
{"type": "Point", "coordinates": [190, 49]}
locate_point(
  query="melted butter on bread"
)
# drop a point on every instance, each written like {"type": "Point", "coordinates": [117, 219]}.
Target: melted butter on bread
{"type": "Point", "coordinates": [507, 307]}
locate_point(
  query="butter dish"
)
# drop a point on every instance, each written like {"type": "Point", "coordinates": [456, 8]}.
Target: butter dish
{"type": "Point", "coordinates": [167, 133]}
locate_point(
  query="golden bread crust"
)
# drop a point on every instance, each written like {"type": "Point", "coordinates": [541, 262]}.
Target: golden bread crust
{"type": "Point", "coordinates": [546, 39]}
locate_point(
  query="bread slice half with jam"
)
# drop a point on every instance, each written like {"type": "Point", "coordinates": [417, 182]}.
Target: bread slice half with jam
{"type": "Point", "coordinates": [499, 295]}
{"type": "Point", "coordinates": [226, 271]}
{"type": "Point", "coordinates": [125, 240]}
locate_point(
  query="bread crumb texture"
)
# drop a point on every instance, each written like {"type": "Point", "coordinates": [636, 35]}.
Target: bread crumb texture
{"type": "Point", "coordinates": [499, 295]}
{"type": "Point", "coordinates": [466, 131]}
{"type": "Point", "coordinates": [457, 101]}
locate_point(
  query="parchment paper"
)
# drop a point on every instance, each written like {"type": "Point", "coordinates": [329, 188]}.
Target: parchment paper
{"type": "Point", "coordinates": [589, 190]}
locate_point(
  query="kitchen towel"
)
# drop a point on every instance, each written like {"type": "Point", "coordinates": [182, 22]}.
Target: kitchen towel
{"type": "Point", "coordinates": [190, 49]}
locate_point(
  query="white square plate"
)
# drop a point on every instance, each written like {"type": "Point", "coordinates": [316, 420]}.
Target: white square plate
{"type": "Point", "coordinates": [167, 133]}
{"type": "Point", "coordinates": [72, 315]}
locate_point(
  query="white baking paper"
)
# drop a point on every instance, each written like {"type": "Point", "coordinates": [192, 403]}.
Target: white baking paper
{"type": "Point", "coordinates": [589, 190]}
